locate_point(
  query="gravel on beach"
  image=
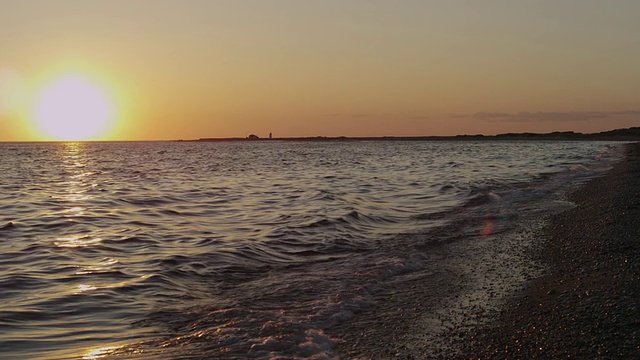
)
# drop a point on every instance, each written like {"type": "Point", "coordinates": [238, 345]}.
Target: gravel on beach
{"type": "Point", "coordinates": [587, 305]}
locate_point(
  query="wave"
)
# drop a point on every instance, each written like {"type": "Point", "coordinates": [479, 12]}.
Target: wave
{"type": "Point", "coordinates": [8, 226]}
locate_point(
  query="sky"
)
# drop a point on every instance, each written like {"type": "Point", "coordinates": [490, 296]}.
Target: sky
{"type": "Point", "coordinates": [189, 69]}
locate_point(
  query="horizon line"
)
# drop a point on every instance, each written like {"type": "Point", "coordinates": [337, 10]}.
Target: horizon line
{"type": "Point", "coordinates": [630, 132]}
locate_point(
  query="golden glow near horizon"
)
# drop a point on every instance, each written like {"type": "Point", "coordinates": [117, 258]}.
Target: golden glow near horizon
{"type": "Point", "coordinates": [73, 107]}
{"type": "Point", "coordinates": [222, 68]}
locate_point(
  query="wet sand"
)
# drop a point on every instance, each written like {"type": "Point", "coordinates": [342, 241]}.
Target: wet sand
{"type": "Point", "coordinates": [587, 305]}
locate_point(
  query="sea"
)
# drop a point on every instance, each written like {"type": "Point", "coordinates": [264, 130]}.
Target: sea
{"type": "Point", "coordinates": [268, 249]}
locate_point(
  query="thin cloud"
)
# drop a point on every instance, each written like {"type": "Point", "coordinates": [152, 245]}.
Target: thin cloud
{"type": "Point", "coordinates": [541, 116]}
{"type": "Point", "coordinates": [364, 115]}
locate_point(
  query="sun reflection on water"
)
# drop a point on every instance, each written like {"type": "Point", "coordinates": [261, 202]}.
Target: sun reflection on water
{"type": "Point", "coordinates": [76, 242]}
{"type": "Point", "coordinates": [99, 353]}
{"type": "Point", "coordinates": [73, 212]}
{"type": "Point", "coordinates": [118, 351]}
{"type": "Point", "coordinates": [74, 161]}
{"type": "Point", "coordinates": [105, 265]}
{"type": "Point", "coordinates": [84, 288]}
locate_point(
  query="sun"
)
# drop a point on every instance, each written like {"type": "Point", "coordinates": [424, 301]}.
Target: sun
{"type": "Point", "coordinates": [73, 107]}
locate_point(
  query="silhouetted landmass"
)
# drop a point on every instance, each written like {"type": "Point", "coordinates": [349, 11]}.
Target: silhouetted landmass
{"type": "Point", "coordinates": [628, 134]}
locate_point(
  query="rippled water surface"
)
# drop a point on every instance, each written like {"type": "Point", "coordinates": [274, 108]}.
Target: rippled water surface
{"type": "Point", "coordinates": [243, 249]}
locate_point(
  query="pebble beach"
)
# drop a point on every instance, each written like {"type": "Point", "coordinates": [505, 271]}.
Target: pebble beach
{"type": "Point", "coordinates": [586, 303]}
{"type": "Point", "coordinates": [578, 299]}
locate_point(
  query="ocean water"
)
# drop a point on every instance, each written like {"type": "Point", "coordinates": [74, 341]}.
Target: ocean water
{"type": "Point", "coordinates": [254, 249]}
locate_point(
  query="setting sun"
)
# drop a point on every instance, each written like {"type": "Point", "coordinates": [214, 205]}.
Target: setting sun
{"type": "Point", "coordinates": [73, 107]}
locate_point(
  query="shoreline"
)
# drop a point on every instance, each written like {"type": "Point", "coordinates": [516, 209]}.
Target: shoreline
{"type": "Point", "coordinates": [585, 305]}
{"type": "Point", "coordinates": [563, 285]}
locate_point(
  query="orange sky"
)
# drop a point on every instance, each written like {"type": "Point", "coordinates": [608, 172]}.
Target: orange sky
{"type": "Point", "coordinates": [192, 69]}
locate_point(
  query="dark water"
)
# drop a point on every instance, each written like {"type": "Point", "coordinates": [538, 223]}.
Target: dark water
{"type": "Point", "coordinates": [213, 250]}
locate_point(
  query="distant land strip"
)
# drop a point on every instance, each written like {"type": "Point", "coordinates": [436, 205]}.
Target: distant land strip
{"type": "Point", "coordinates": [627, 134]}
